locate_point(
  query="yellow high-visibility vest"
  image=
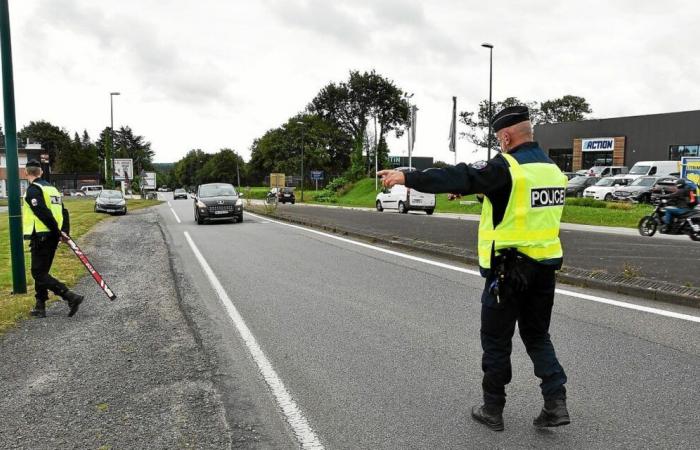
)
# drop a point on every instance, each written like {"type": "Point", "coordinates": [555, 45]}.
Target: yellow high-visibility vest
{"type": "Point", "coordinates": [531, 220]}
{"type": "Point", "coordinates": [53, 200]}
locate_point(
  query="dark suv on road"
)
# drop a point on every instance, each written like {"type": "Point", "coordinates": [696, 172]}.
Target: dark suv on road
{"type": "Point", "coordinates": [217, 201]}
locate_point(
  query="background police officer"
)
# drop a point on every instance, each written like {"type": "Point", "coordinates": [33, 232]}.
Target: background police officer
{"type": "Point", "coordinates": [43, 219]}
{"type": "Point", "coordinates": [519, 252]}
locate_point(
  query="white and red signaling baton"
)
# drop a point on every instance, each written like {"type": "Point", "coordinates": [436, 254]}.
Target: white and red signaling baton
{"type": "Point", "coordinates": [88, 265]}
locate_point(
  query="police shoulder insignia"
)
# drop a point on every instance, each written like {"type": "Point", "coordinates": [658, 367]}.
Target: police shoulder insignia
{"type": "Point", "coordinates": [478, 165]}
{"type": "Point", "coordinates": [34, 202]}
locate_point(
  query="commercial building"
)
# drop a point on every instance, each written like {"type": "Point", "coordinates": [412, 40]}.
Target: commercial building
{"type": "Point", "coordinates": [29, 151]}
{"type": "Point", "coordinates": [621, 141]}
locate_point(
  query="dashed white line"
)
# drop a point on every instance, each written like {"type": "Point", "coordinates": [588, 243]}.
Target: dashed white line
{"type": "Point", "coordinates": [592, 298]}
{"type": "Point", "coordinates": [305, 435]}
{"type": "Point", "coordinates": [175, 214]}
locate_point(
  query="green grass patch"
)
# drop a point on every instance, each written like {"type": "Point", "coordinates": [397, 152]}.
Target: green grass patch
{"type": "Point", "coordinates": [3, 202]}
{"type": "Point", "coordinates": [66, 266]}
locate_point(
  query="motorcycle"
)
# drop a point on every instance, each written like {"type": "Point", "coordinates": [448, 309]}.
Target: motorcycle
{"type": "Point", "coordinates": [687, 223]}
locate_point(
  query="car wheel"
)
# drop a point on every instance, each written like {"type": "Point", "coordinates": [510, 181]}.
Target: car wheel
{"type": "Point", "coordinates": [199, 219]}
{"type": "Point", "coordinates": [608, 197]}
{"type": "Point", "coordinates": [380, 208]}
{"type": "Point", "coordinates": [293, 201]}
{"type": "Point", "coordinates": [239, 219]}
{"type": "Point", "coordinates": [646, 198]}
{"type": "Point", "coordinates": [94, 208]}
{"type": "Point", "coordinates": [579, 194]}
{"type": "Point", "coordinates": [402, 208]}
{"type": "Point", "coordinates": [429, 212]}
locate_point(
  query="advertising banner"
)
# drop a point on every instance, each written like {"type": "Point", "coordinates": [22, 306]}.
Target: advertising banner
{"type": "Point", "coordinates": [690, 168]}
{"type": "Point", "coordinates": [597, 144]}
{"type": "Point", "coordinates": [121, 166]}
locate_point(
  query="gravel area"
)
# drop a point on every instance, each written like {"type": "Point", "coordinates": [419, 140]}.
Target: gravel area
{"type": "Point", "coordinates": [124, 374]}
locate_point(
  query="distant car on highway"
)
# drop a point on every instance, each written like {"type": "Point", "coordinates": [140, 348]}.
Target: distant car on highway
{"type": "Point", "coordinates": [578, 184]}
{"type": "Point", "coordinates": [179, 193]}
{"type": "Point", "coordinates": [604, 188]}
{"type": "Point", "coordinates": [91, 191]}
{"type": "Point", "coordinates": [217, 201]}
{"type": "Point", "coordinates": [284, 195]}
{"type": "Point", "coordinates": [638, 190]}
{"type": "Point", "coordinates": [404, 199]}
{"type": "Point", "coordinates": [163, 189]}
{"type": "Point", "coordinates": [110, 201]}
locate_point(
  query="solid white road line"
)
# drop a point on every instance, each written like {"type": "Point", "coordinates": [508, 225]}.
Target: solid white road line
{"type": "Point", "coordinates": [175, 214]}
{"type": "Point", "coordinates": [305, 435]}
{"type": "Point", "coordinates": [593, 298]}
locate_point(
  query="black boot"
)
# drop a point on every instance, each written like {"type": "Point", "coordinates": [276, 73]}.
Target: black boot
{"type": "Point", "coordinates": [554, 414]}
{"type": "Point", "coordinates": [491, 416]}
{"type": "Point", "coordinates": [39, 309]}
{"type": "Point", "coordinates": [74, 300]}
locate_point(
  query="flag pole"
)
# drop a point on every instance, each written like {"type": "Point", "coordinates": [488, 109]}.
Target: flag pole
{"type": "Point", "coordinates": [454, 127]}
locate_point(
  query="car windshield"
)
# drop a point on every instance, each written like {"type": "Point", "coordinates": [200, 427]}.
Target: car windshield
{"type": "Point", "coordinates": [578, 181]}
{"type": "Point", "coordinates": [216, 190]}
{"type": "Point", "coordinates": [605, 182]}
{"type": "Point", "coordinates": [179, 191]}
{"type": "Point", "coordinates": [639, 170]}
{"type": "Point", "coordinates": [644, 182]}
{"type": "Point", "coordinates": [111, 194]}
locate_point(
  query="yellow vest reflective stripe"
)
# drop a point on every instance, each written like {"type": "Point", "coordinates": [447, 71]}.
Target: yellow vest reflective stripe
{"type": "Point", "coordinates": [531, 219]}
{"type": "Point", "coordinates": [53, 200]}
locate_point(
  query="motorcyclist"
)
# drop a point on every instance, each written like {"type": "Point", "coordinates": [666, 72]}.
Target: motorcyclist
{"type": "Point", "coordinates": [677, 203]}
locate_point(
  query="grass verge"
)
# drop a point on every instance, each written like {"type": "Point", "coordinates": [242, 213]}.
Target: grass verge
{"type": "Point", "coordinates": [66, 266]}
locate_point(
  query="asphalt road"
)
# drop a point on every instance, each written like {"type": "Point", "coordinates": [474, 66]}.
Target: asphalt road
{"type": "Point", "coordinates": [658, 258]}
{"type": "Point", "coordinates": [380, 351]}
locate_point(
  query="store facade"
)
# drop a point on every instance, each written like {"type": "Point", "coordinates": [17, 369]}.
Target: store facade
{"type": "Point", "coordinates": [621, 141]}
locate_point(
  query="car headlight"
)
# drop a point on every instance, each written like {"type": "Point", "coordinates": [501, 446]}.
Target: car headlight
{"type": "Point", "coordinates": [122, 202]}
{"type": "Point", "coordinates": [201, 204]}
{"type": "Point", "coordinates": [239, 202]}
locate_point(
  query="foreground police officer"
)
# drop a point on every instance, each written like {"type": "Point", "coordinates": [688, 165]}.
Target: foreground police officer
{"type": "Point", "coordinates": [519, 252]}
{"type": "Point", "coordinates": [43, 219]}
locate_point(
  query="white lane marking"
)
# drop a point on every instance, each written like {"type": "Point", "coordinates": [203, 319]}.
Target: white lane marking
{"type": "Point", "coordinates": [175, 214]}
{"type": "Point", "coordinates": [169, 203]}
{"type": "Point", "coordinates": [593, 298]}
{"type": "Point", "coordinates": [305, 435]}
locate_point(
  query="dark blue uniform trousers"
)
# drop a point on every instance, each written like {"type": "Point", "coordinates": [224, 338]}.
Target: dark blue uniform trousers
{"type": "Point", "coordinates": [532, 311]}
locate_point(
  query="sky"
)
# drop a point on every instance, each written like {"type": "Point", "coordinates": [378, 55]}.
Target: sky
{"type": "Point", "coordinates": [218, 74]}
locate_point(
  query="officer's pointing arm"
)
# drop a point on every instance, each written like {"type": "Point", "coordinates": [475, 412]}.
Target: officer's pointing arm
{"type": "Point", "coordinates": [35, 197]}
{"type": "Point", "coordinates": [479, 177]}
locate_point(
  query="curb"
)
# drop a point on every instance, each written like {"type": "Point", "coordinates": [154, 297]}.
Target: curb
{"type": "Point", "coordinates": [653, 290]}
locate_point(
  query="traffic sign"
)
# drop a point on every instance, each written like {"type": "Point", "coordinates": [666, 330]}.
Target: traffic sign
{"type": "Point", "coordinates": [317, 174]}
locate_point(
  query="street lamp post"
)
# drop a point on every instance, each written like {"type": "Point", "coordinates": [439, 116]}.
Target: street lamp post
{"type": "Point", "coordinates": [303, 125]}
{"type": "Point", "coordinates": [111, 133]}
{"type": "Point", "coordinates": [490, 47]}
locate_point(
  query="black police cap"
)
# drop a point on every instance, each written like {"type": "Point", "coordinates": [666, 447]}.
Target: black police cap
{"type": "Point", "coordinates": [33, 163]}
{"type": "Point", "coordinates": [509, 116]}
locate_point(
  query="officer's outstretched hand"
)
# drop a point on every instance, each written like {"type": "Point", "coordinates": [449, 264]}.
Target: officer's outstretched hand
{"type": "Point", "coordinates": [391, 177]}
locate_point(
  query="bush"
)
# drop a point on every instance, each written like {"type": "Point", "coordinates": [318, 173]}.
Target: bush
{"type": "Point", "coordinates": [337, 184]}
{"type": "Point", "coordinates": [623, 206]}
{"type": "Point", "coordinates": [589, 202]}
{"type": "Point", "coordinates": [326, 196]}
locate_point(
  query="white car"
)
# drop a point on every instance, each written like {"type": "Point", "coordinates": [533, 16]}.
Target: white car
{"type": "Point", "coordinates": [604, 188]}
{"type": "Point", "coordinates": [403, 199]}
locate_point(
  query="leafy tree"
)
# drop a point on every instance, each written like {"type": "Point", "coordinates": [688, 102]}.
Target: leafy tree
{"type": "Point", "coordinates": [79, 156]}
{"type": "Point", "coordinates": [52, 138]}
{"type": "Point", "coordinates": [185, 171]}
{"type": "Point", "coordinates": [129, 145]}
{"type": "Point", "coordinates": [221, 167]}
{"type": "Point", "coordinates": [350, 105]}
{"type": "Point", "coordinates": [568, 108]}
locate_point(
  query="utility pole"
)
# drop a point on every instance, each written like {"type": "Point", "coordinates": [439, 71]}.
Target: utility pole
{"type": "Point", "coordinates": [19, 278]}
{"type": "Point", "coordinates": [111, 132]}
{"type": "Point", "coordinates": [302, 158]}
{"type": "Point", "coordinates": [376, 156]}
{"type": "Point", "coordinates": [490, 47]}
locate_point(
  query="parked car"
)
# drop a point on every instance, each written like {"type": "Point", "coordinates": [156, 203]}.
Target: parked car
{"type": "Point", "coordinates": [179, 193]}
{"type": "Point", "coordinates": [404, 199]}
{"type": "Point", "coordinates": [284, 195]}
{"type": "Point", "coordinates": [653, 168]}
{"type": "Point", "coordinates": [604, 188]}
{"type": "Point", "coordinates": [217, 201]}
{"type": "Point", "coordinates": [110, 201]}
{"type": "Point", "coordinates": [607, 171]}
{"type": "Point", "coordinates": [578, 184]}
{"type": "Point", "coordinates": [639, 190]}
{"type": "Point", "coordinates": [91, 191]}
{"type": "Point", "coordinates": [570, 175]}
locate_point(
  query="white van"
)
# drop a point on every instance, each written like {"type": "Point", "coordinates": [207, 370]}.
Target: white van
{"type": "Point", "coordinates": [403, 199]}
{"type": "Point", "coordinates": [606, 171]}
{"type": "Point", "coordinates": [654, 168]}
{"type": "Point", "coordinates": [91, 191]}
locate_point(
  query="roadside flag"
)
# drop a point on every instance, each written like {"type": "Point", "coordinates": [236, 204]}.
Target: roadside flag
{"type": "Point", "coordinates": [453, 126]}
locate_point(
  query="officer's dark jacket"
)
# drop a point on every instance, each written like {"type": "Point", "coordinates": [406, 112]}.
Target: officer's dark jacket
{"type": "Point", "coordinates": [491, 178]}
{"type": "Point", "coordinates": [42, 212]}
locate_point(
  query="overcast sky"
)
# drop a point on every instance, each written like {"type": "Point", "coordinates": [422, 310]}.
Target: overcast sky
{"type": "Point", "coordinates": [210, 74]}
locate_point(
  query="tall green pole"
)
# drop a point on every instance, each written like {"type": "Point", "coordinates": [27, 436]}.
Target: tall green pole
{"type": "Point", "coordinates": [19, 279]}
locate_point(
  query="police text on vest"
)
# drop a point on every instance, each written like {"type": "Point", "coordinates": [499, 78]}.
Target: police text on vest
{"type": "Point", "coordinates": [551, 196]}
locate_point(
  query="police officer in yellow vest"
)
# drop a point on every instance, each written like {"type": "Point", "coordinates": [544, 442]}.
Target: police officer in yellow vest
{"type": "Point", "coordinates": [519, 252]}
{"type": "Point", "coordinates": [43, 219]}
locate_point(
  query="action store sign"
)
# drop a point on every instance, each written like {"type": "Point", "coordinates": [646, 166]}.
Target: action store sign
{"type": "Point", "coordinates": [597, 144]}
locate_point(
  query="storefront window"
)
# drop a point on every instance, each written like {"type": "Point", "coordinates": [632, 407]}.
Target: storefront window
{"type": "Point", "coordinates": [676, 152]}
{"type": "Point", "coordinates": [562, 157]}
{"type": "Point", "coordinates": [591, 159]}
